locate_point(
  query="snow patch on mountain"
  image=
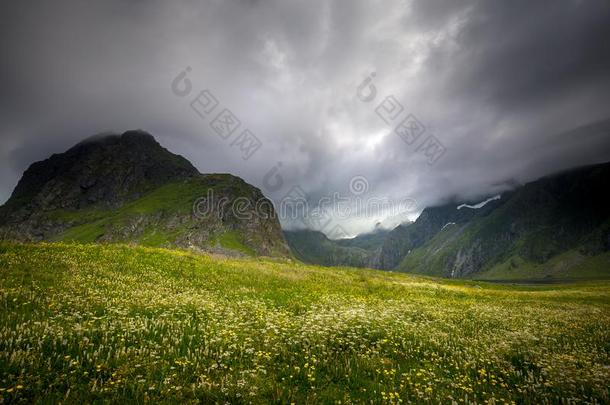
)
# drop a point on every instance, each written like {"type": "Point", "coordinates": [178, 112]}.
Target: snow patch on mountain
{"type": "Point", "coordinates": [479, 205]}
{"type": "Point", "coordinates": [447, 224]}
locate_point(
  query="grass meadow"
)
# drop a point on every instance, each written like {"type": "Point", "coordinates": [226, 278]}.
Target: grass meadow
{"type": "Point", "coordinates": [125, 324]}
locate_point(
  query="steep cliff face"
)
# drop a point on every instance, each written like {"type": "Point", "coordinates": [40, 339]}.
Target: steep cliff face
{"type": "Point", "coordinates": [101, 170]}
{"type": "Point", "coordinates": [557, 226]}
{"type": "Point", "coordinates": [128, 188]}
{"type": "Point", "coordinates": [565, 214]}
{"type": "Point", "coordinates": [407, 237]}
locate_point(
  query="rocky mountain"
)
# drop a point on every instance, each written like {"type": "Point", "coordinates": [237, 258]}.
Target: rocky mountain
{"type": "Point", "coordinates": [555, 227]}
{"type": "Point", "coordinates": [405, 238]}
{"type": "Point", "coordinates": [128, 188]}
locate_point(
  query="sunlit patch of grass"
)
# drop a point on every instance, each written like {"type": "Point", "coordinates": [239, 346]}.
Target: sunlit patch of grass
{"type": "Point", "coordinates": [232, 240]}
{"type": "Point", "coordinates": [114, 323]}
{"type": "Point", "coordinates": [567, 265]}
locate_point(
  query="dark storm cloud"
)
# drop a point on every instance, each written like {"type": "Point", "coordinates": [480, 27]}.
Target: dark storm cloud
{"type": "Point", "coordinates": [500, 84]}
{"type": "Point", "coordinates": [529, 52]}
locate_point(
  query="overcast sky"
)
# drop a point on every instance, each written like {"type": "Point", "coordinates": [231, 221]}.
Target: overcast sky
{"type": "Point", "coordinates": [497, 84]}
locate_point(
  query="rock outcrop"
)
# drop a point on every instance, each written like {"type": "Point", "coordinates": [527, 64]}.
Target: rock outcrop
{"type": "Point", "coordinates": [128, 188]}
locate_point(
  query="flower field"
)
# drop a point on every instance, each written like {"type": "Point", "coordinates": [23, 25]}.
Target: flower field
{"type": "Point", "coordinates": [114, 323]}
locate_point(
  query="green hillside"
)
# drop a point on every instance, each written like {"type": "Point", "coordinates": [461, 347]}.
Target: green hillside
{"type": "Point", "coordinates": [113, 323]}
{"type": "Point", "coordinates": [152, 218]}
{"type": "Point", "coordinates": [370, 242]}
{"type": "Point", "coordinates": [129, 189]}
{"type": "Point", "coordinates": [555, 227]}
{"type": "Point", "coordinates": [313, 247]}
{"type": "Point", "coordinates": [570, 265]}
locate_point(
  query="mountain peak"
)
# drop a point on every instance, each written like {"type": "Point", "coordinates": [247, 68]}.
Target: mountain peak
{"type": "Point", "coordinates": [129, 188]}
{"type": "Point", "coordinates": [106, 169]}
{"type": "Point", "coordinates": [137, 137]}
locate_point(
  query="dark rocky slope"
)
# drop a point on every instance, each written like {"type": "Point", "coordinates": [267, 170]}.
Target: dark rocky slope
{"type": "Point", "coordinates": [557, 226]}
{"type": "Point", "coordinates": [564, 214]}
{"type": "Point", "coordinates": [128, 188]}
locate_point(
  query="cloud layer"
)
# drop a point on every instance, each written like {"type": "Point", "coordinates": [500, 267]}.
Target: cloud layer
{"type": "Point", "coordinates": [497, 84]}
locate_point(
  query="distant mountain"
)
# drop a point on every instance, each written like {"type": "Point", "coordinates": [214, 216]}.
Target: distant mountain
{"type": "Point", "coordinates": [370, 241]}
{"type": "Point", "coordinates": [558, 226]}
{"type": "Point", "coordinates": [555, 227]}
{"type": "Point", "coordinates": [315, 248]}
{"type": "Point", "coordinates": [128, 188]}
{"type": "Point", "coordinates": [405, 238]}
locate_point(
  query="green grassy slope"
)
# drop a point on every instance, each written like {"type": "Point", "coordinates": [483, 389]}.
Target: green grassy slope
{"type": "Point", "coordinates": [537, 226]}
{"type": "Point", "coordinates": [164, 217]}
{"type": "Point", "coordinates": [314, 247]}
{"type": "Point", "coordinates": [571, 265]}
{"type": "Point", "coordinates": [368, 241]}
{"type": "Point", "coordinates": [129, 189]}
{"type": "Point", "coordinates": [112, 323]}
{"type": "Point", "coordinates": [175, 197]}
{"type": "Point", "coordinates": [578, 263]}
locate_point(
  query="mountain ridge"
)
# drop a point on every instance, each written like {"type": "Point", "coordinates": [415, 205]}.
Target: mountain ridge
{"type": "Point", "coordinates": [539, 221]}
{"type": "Point", "coordinates": [128, 188]}
{"type": "Point", "coordinates": [315, 247]}
{"type": "Point", "coordinates": [551, 226]}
